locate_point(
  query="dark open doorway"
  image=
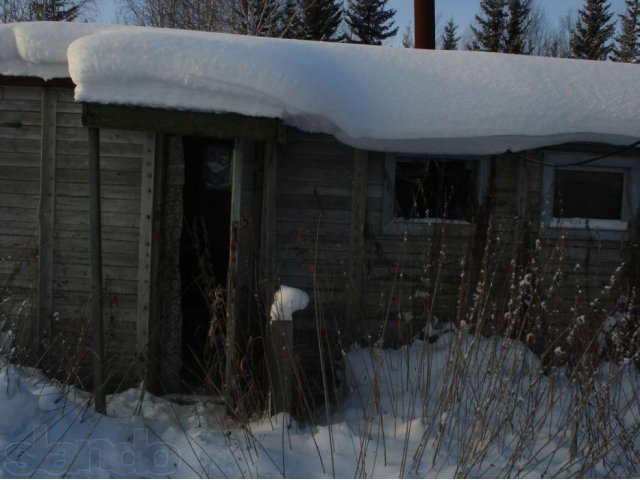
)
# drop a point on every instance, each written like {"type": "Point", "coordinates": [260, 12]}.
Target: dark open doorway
{"type": "Point", "coordinates": [204, 259]}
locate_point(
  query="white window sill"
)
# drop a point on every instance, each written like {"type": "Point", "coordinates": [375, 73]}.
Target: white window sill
{"type": "Point", "coordinates": [422, 226]}
{"type": "Point", "coordinates": [589, 224]}
{"type": "Point", "coordinates": [430, 221]}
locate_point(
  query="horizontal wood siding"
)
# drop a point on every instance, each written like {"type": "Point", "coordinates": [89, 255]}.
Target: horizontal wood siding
{"type": "Point", "coordinates": [313, 221]}
{"type": "Point", "coordinates": [313, 206]}
{"type": "Point", "coordinates": [121, 167]}
{"type": "Point", "coordinates": [588, 263]}
{"type": "Point", "coordinates": [19, 199]}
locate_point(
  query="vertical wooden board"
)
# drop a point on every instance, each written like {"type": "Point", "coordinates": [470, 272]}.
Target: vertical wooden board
{"type": "Point", "coordinates": [145, 243]}
{"type": "Point", "coordinates": [356, 235]}
{"type": "Point", "coordinates": [234, 300]}
{"type": "Point", "coordinates": [46, 212]}
{"type": "Point", "coordinates": [268, 224]}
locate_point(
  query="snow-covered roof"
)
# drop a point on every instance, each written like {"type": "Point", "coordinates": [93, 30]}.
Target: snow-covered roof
{"type": "Point", "coordinates": [377, 98]}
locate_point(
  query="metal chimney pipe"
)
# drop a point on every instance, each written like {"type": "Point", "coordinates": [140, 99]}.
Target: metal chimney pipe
{"type": "Point", "coordinates": [424, 14]}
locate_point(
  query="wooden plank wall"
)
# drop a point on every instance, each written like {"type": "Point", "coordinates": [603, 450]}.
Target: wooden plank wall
{"type": "Point", "coordinates": [402, 267]}
{"type": "Point", "coordinates": [121, 166]}
{"type": "Point", "coordinates": [19, 198]}
{"type": "Point", "coordinates": [597, 258]}
{"type": "Point", "coordinates": [313, 205]}
{"type": "Point", "coordinates": [314, 212]}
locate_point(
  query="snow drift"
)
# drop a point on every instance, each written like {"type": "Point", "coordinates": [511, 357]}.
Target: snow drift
{"type": "Point", "coordinates": [462, 406]}
{"type": "Point", "coordinates": [376, 98]}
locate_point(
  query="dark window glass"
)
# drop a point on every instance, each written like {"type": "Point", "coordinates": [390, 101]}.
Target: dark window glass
{"type": "Point", "coordinates": [588, 194]}
{"type": "Point", "coordinates": [434, 188]}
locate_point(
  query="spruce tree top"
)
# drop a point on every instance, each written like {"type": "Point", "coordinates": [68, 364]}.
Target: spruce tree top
{"type": "Point", "coordinates": [591, 38]}
{"type": "Point", "coordinates": [370, 21]}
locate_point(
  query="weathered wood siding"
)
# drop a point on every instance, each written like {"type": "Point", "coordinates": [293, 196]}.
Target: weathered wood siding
{"type": "Point", "coordinates": [44, 226]}
{"type": "Point", "coordinates": [19, 199]}
{"type": "Point", "coordinates": [589, 260]}
{"type": "Point", "coordinates": [313, 207]}
{"type": "Point", "coordinates": [121, 168]}
{"type": "Point", "coordinates": [313, 216]}
{"type": "Point", "coordinates": [403, 269]}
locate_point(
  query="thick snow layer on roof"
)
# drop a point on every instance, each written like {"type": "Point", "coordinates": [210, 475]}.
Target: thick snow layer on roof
{"type": "Point", "coordinates": [39, 49]}
{"type": "Point", "coordinates": [377, 98]}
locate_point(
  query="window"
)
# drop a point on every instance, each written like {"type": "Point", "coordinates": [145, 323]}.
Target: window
{"type": "Point", "coordinates": [601, 195]}
{"type": "Point", "coordinates": [421, 190]}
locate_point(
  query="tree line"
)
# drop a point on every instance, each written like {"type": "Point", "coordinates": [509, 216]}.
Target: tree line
{"type": "Point", "coordinates": [507, 26]}
{"type": "Point", "coordinates": [516, 26]}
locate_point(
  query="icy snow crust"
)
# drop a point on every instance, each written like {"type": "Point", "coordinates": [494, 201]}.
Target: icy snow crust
{"type": "Point", "coordinates": [376, 98]}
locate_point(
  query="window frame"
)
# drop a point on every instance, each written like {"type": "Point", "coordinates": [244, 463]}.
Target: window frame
{"type": "Point", "coordinates": [605, 229]}
{"type": "Point", "coordinates": [419, 226]}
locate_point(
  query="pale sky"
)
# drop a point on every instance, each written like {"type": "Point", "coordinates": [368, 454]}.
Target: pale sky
{"type": "Point", "coordinates": [462, 11]}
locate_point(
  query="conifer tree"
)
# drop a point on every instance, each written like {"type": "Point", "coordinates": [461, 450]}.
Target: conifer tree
{"type": "Point", "coordinates": [515, 40]}
{"type": "Point", "coordinates": [321, 19]}
{"type": "Point", "coordinates": [55, 10]}
{"type": "Point", "coordinates": [292, 20]}
{"type": "Point", "coordinates": [449, 36]}
{"type": "Point", "coordinates": [408, 37]}
{"type": "Point", "coordinates": [370, 21]}
{"type": "Point", "coordinates": [628, 49]}
{"type": "Point", "coordinates": [591, 37]}
{"type": "Point", "coordinates": [490, 26]}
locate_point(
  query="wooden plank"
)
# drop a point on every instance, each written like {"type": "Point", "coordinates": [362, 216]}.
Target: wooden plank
{"type": "Point", "coordinates": [129, 150]}
{"type": "Point", "coordinates": [28, 229]}
{"type": "Point", "coordinates": [127, 273]}
{"type": "Point", "coordinates": [182, 122]}
{"type": "Point", "coordinates": [268, 224]}
{"type": "Point", "coordinates": [120, 179]}
{"type": "Point", "coordinates": [20, 145]}
{"type": "Point", "coordinates": [46, 211]}
{"type": "Point", "coordinates": [79, 232]}
{"type": "Point", "coordinates": [15, 214]}
{"type": "Point", "coordinates": [324, 202]}
{"type": "Point", "coordinates": [79, 134]}
{"type": "Point", "coordinates": [20, 105]}
{"type": "Point", "coordinates": [234, 281]}
{"type": "Point", "coordinates": [315, 188]}
{"type": "Point", "coordinates": [123, 219]}
{"type": "Point", "coordinates": [66, 96]}
{"type": "Point", "coordinates": [70, 119]}
{"type": "Point", "coordinates": [109, 204]}
{"type": "Point", "coordinates": [16, 130]}
{"type": "Point", "coordinates": [31, 174]}
{"type": "Point", "coordinates": [96, 272]}
{"type": "Point", "coordinates": [81, 285]}
{"type": "Point", "coordinates": [70, 107]}
{"type": "Point", "coordinates": [279, 333]}
{"type": "Point", "coordinates": [115, 259]}
{"type": "Point", "coordinates": [356, 239]}
{"type": "Point", "coordinates": [121, 164]}
{"type": "Point", "coordinates": [20, 93]}
{"type": "Point", "coordinates": [16, 200]}
{"type": "Point", "coordinates": [145, 253]}
{"type": "Point", "coordinates": [20, 160]}
{"type": "Point", "coordinates": [109, 247]}
{"type": "Point", "coordinates": [79, 189]}
{"type": "Point", "coordinates": [27, 187]}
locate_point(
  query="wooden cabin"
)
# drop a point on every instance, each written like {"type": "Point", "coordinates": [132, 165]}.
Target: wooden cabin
{"type": "Point", "coordinates": [204, 214]}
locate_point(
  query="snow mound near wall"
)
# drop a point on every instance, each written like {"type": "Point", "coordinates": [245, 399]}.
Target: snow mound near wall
{"type": "Point", "coordinates": [376, 98]}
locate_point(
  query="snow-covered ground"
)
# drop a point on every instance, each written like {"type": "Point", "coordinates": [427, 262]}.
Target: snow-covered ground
{"type": "Point", "coordinates": [462, 406]}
